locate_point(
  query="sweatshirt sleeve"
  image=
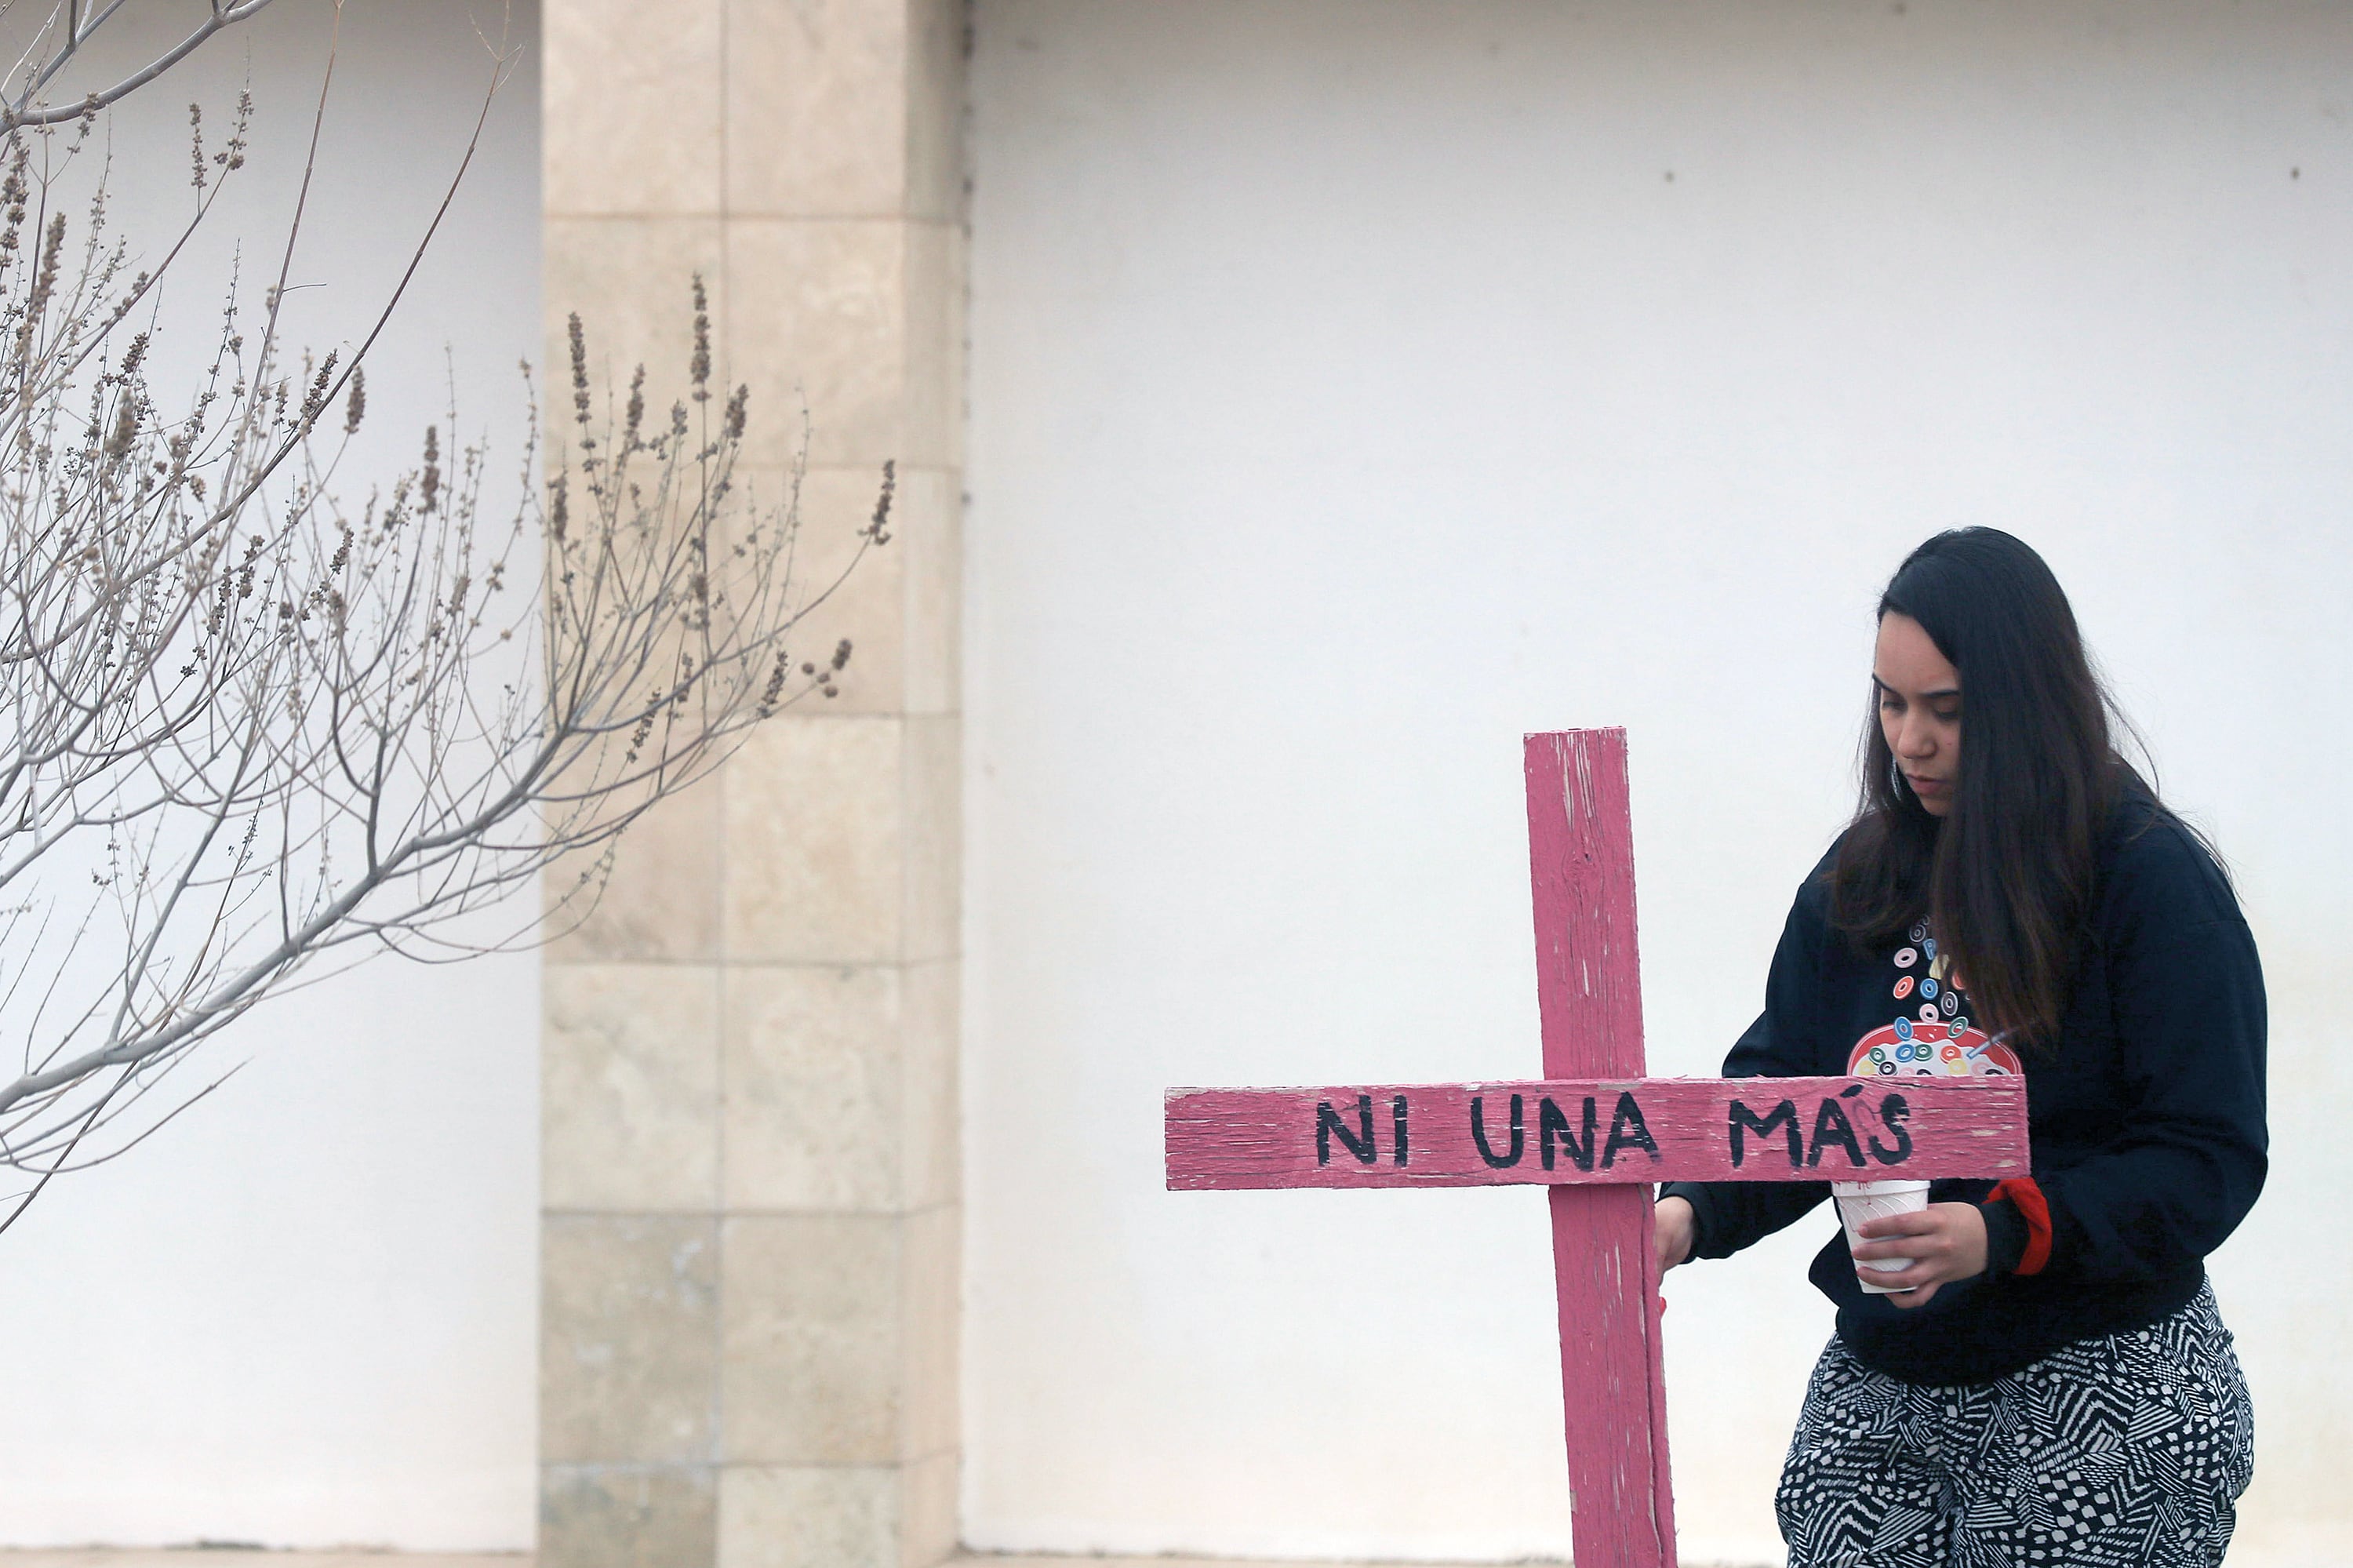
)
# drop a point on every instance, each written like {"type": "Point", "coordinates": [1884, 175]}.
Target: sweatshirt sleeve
{"type": "Point", "coordinates": [1784, 1042]}
{"type": "Point", "coordinates": [2190, 1148]}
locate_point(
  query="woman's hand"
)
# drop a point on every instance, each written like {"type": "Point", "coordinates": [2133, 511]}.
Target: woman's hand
{"type": "Point", "coordinates": [1945, 1241]}
{"type": "Point", "coordinates": [1671, 1231]}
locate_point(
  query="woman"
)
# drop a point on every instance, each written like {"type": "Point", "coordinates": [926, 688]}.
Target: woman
{"type": "Point", "coordinates": [2056, 1386]}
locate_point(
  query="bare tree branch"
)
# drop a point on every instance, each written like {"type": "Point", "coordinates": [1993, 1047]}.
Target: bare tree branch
{"type": "Point", "coordinates": [55, 47]}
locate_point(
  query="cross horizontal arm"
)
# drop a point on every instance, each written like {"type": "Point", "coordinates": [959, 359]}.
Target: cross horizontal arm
{"type": "Point", "coordinates": [1554, 1133]}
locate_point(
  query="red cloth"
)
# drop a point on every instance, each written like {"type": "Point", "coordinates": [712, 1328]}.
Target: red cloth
{"type": "Point", "coordinates": [2028, 1201]}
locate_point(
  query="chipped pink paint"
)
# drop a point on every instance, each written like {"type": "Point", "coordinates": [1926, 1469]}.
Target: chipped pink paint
{"type": "Point", "coordinates": [1589, 1003]}
{"type": "Point", "coordinates": [1605, 1272]}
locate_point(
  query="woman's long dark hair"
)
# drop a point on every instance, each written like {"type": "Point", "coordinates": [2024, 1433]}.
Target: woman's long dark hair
{"type": "Point", "coordinates": [2007, 873]}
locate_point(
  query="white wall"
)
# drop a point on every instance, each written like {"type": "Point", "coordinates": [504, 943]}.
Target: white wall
{"type": "Point", "coordinates": [304, 1314]}
{"type": "Point", "coordinates": [1356, 387]}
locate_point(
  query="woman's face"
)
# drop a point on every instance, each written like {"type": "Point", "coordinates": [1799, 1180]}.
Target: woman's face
{"type": "Point", "coordinates": [1919, 709]}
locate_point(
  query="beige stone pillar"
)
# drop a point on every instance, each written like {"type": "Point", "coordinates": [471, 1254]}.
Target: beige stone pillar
{"type": "Point", "coordinates": [749, 1243]}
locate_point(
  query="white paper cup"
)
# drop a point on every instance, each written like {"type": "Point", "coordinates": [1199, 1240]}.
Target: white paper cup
{"type": "Point", "coordinates": [1859, 1202]}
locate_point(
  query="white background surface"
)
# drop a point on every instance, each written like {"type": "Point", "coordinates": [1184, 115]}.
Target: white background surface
{"type": "Point", "coordinates": [304, 1314]}
{"type": "Point", "coordinates": [1354, 389]}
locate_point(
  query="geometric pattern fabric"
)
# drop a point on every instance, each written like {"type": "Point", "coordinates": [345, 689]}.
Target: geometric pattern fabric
{"type": "Point", "coordinates": [2126, 1451]}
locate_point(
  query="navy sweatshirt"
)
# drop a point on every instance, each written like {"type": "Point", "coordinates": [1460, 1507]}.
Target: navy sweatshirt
{"type": "Point", "coordinates": [2146, 1119]}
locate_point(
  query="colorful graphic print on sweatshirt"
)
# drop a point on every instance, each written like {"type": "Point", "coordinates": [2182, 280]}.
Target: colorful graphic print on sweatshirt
{"type": "Point", "coordinates": [1932, 1036]}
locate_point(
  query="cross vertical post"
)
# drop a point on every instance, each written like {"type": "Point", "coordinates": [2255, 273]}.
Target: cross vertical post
{"type": "Point", "coordinates": [1589, 1005]}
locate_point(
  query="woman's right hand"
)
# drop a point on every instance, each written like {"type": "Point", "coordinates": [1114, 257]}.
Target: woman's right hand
{"type": "Point", "coordinates": [1671, 1231]}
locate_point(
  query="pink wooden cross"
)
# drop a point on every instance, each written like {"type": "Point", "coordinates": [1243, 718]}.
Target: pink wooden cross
{"type": "Point", "coordinates": [1599, 1134]}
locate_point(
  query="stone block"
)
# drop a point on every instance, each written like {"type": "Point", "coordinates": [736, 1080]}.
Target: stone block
{"type": "Point", "coordinates": [929, 1521]}
{"type": "Point", "coordinates": [928, 533]}
{"type": "Point", "coordinates": [932, 421]}
{"type": "Point", "coordinates": [657, 898]}
{"type": "Point", "coordinates": [931, 1279]}
{"type": "Point", "coordinates": [816, 841]}
{"type": "Point", "coordinates": [816, 319]}
{"type": "Point", "coordinates": [814, 1098]}
{"type": "Point", "coordinates": [934, 856]}
{"type": "Point", "coordinates": [862, 587]}
{"type": "Point", "coordinates": [630, 1060]}
{"type": "Point", "coordinates": [901, 603]}
{"type": "Point", "coordinates": [929, 1113]}
{"type": "Point", "coordinates": [610, 1516]}
{"type": "Point", "coordinates": [786, 1517]}
{"type": "Point", "coordinates": [812, 1360]}
{"type": "Point", "coordinates": [628, 1338]}
{"type": "Point", "coordinates": [631, 282]}
{"type": "Point", "coordinates": [630, 97]}
{"type": "Point", "coordinates": [817, 108]}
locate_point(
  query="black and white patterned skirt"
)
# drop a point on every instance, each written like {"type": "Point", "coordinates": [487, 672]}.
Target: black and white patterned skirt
{"type": "Point", "coordinates": [2129, 1450]}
